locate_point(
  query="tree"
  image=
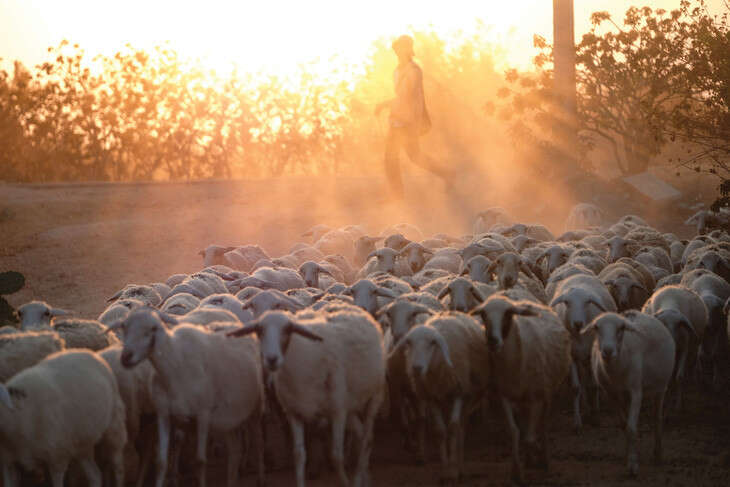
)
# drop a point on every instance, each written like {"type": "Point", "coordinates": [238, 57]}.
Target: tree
{"type": "Point", "coordinates": [634, 81]}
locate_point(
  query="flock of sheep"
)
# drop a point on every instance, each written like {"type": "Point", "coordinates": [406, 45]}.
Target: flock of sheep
{"type": "Point", "coordinates": [351, 329]}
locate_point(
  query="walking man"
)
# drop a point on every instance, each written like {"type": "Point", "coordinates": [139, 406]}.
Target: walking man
{"type": "Point", "coordinates": [408, 119]}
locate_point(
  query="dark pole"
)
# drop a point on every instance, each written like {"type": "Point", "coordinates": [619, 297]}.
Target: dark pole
{"type": "Point", "coordinates": [565, 86]}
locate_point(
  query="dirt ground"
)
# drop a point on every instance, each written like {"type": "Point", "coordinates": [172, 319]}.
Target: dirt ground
{"type": "Point", "coordinates": [78, 244]}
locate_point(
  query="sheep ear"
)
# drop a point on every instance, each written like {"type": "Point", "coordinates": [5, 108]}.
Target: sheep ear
{"type": "Point", "coordinates": [169, 319]}
{"type": "Point", "coordinates": [726, 308]}
{"type": "Point", "coordinates": [347, 291]}
{"type": "Point", "coordinates": [477, 294]}
{"type": "Point", "coordinates": [397, 347]}
{"type": "Point", "coordinates": [385, 292]}
{"type": "Point", "coordinates": [59, 312]}
{"type": "Point", "coordinates": [115, 325]}
{"type": "Point", "coordinates": [526, 269]}
{"type": "Point", "coordinates": [562, 299]}
{"type": "Point", "coordinates": [524, 310]}
{"type": "Point", "coordinates": [115, 297]}
{"type": "Point", "coordinates": [493, 266]}
{"type": "Point", "coordinates": [444, 292]}
{"type": "Point", "coordinates": [303, 331]}
{"type": "Point", "coordinates": [252, 327]}
{"type": "Point", "coordinates": [444, 349]}
{"type": "Point", "coordinates": [598, 305]}
{"type": "Point", "coordinates": [322, 270]}
{"type": "Point", "coordinates": [419, 308]}
{"type": "Point", "coordinates": [383, 310]}
{"type": "Point", "coordinates": [371, 255]}
{"type": "Point", "coordinates": [5, 398]}
{"type": "Point", "coordinates": [588, 329]}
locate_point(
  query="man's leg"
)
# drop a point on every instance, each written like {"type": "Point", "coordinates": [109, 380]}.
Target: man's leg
{"type": "Point", "coordinates": [413, 149]}
{"type": "Point", "coordinates": [393, 143]}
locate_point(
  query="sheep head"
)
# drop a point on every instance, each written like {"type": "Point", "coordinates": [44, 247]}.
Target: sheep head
{"type": "Point", "coordinates": [401, 315]}
{"type": "Point", "coordinates": [37, 314]}
{"type": "Point", "coordinates": [141, 329]}
{"type": "Point", "coordinates": [274, 330]}
{"type": "Point", "coordinates": [365, 293]}
{"type": "Point", "coordinates": [578, 302]}
{"type": "Point", "coordinates": [421, 345]}
{"type": "Point", "coordinates": [497, 314]}
{"type": "Point", "coordinates": [464, 296]}
{"type": "Point", "coordinates": [609, 329]}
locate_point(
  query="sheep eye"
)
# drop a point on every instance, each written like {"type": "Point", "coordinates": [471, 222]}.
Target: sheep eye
{"type": "Point", "coordinates": [47, 313]}
{"type": "Point", "coordinates": [433, 343]}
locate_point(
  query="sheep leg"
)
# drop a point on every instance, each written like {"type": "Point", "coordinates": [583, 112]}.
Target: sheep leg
{"type": "Point", "coordinates": [454, 438]}
{"type": "Point", "coordinates": [57, 473]}
{"type": "Point", "coordinates": [256, 428]}
{"type": "Point", "coordinates": [575, 383]}
{"type": "Point", "coordinates": [517, 472]}
{"type": "Point", "coordinates": [163, 446]}
{"type": "Point", "coordinates": [366, 443]}
{"type": "Point", "coordinates": [658, 428]}
{"type": "Point", "coordinates": [338, 442]}
{"type": "Point", "coordinates": [681, 364]}
{"type": "Point", "coordinates": [91, 470]}
{"type": "Point", "coordinates": [300, 453]}
{"type": "Point", "coordinates": [545, 447]}
{"type": "Point", "coordinates": [234, 447]}
{"type": "Point", "coordinates": [202, 424]}
{"type": "Point", "coordinates": [441, 439]}
{"type": "Point", "coordinates": [421, 427]}
{"type": "Point", "coordinates": [10, 476]}
{"type": "Point", "coordinates": [632, 422]}
{"type": "Point", "coordinates": [535, 414]}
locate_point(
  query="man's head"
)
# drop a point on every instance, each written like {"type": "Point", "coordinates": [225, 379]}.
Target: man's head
{"type": "Point", "coordinates": [403, 47]}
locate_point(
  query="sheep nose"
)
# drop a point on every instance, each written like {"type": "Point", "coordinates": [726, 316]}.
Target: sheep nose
{"type": "Point", "coordinates": [418, 370]}
{"type": "Point", "coordinates": [271, 364]}
{"type": "Point", "coordinates": [126, 358]}
{"type": "Point", "coordinates": [607, 354]}
{"type": "Point", "coordinates": [509, 282]}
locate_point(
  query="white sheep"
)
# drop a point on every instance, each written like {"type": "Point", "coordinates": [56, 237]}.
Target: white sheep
{"type": "Point", "coordinates": [76, 333]}
{"type": "Point", "coordinates": [331, 367]}
{"type": "Point", "coordinates": [280, 278]}
{"type": "Point", "coordinates": [144, 293]}
{"type": "Point", "coordinates": [465, 295]}
{"type": "Point", "coordinates": [179, 304]}
{"type": "Point", "coordinates": [411, 232]}
{"type": "Point", "coordinates": [530, 357]}
{"type": "Point", "coordinates": [21, 350]}
{"type": "Point", "coordinates": [200, 375]}
{"type": "Point", "coordinates": [627, 285]}
{"type": "Point", "coordinates": [633, 357]}
{"type": "Point", "coordinates": [229, 303]}
{"type": "Point", "coordinates": [268, 300]}
{"type": "Point", "coordinates": [315, 232]}
{"type": "Point", "coordinates": [118, 310]}
{"type": "Point", "coordinates": [206, 316]}
{"type": "Point", "coordinates": [447, 364]}
{"type": "Point", "coordinates": [578, 300]}
{"type": "Point", "coordinates": [59, 410]}
{"type": "Point", "coordinates": [37, 315]}
{"type": "Point", "coordinates": [508, 268]}
{"type": "Point", "coordinates": [364, 246]}
{"type": "Point", "coordinates": [365, 294]}
{"type": "Point", "coordinates": [684, 314]}
{"type": "Point", "coordinates": [584, 215]}
{"type": "Point", "coordinates": [310, 272]}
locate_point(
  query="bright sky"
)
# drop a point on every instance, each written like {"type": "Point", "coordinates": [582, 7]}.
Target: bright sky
{"type": "Point", "coordinates": [274, 34]}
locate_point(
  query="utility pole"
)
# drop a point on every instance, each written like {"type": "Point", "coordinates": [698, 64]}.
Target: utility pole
{"type": "Point", "coordinates": [566, 131]}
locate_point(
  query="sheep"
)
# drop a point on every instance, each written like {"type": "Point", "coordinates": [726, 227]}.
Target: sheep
{"type": "Point", "coordinates": [584, 215]}
{"type": "Point", "coordinates": [384, 260]}
{"type": "Point", "coordinates": [447, 259]}
{"type": "Point", "coordinates": [342, 264]}
{"type": "Point", "coordinates": [536, 231]}
{"type": "Point", "coordinates": [315, 232]}
{"type": "Point", "coordinates": [627, 285]}
{"type": "Point", "coordinates": [415, 255]}
{"type": "Point", "coordinates": [306, 296]}
{"type": "Point", "coordinates": [146, 294]}
{"type": "Point", "coordinates": [714, 291]}
{"type": "Point", "coordinates": [57, 411]}
{"type": "Point", "coordinates": [78, 333]}
{"type": "Point", "coordinates": [632, 357]}
{"type": "Point", "coordinates": [404, 312]}
{"type": "Point", "coordinates": [310, 272]}
{"type": "Point", "coordinates": [589, 258]}
{"type": "Point", "coordinates": [464, 295]}
{"type": "Point", "coordinates": [579, 299]}
{"type": "Point", "coordinates": [279, 278]}
{"type": "Point", "coordinates": [364, 246]}
{"type": "Point", "coordinates": [247, 293]}
{"type": "Point", "coordinates": [365, 293]}
{"type": "Point", "coordinates": [268, 300]}
{"type": "Point", "coordinates": [396, 242]}
{"type": "Point", "coordinates": [563, 272]}
{"type": "Point", "coordinates": [179, 304]}
{"type": "Point", "coordinates": [229, 303]}
{"type": "Point", "coordinates": [486, 219]}
{"type": "Point", "coordinates": [242, 258]}
{"type": "Point", "coordinates": [134, 390]}
{"type": "Point", "coordinates": [331, 367]}
{"type": "Point", "coordinates": [21, 350]}
{"type": "Point", "coordinates": [198, 374]}
{"type": "Point", "coordinates": [184, 288]}
{"type": "Point", "coordinates": [206, 316]}
{"type": "Point", "coordinates": [207, 283]}
{"type": "Point", "coordinates": [410, 232]}
{"type": "Point", "coordinates": [714, 259]}
{"type": "Point", "coordinates": [426, 276]}
{"type": "Point", "coordinates": [554, 256]}
{"type": "Point", "coordinates": [684, 314]}
{"type": "Point", "coordinates": [705, 220]}
{"type": "Point", "coordinates": [37, 315]}
{"type": "Point", "coordinates": [214, 254]}
{"type": "Point", "coordinates": [476, 268]}
{"type": "Point", "coordinates": [307, 253]}
{"type": "Point", "coordinates": [507, 268]}
{"type": "Point", "coordinates": [174, 280]}
{"type": "Point", "coordinates": [336, 242]}
{"type": "Point", "coordinates": [447, 364]}
{"type": "Point", "coordinates": [118, 309]}
{"type": "Point", "coordinates": [530, 356]}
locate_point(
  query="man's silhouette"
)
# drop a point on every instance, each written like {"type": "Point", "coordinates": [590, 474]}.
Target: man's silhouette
{"type": "Point", "coordinates": [408, 119]}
